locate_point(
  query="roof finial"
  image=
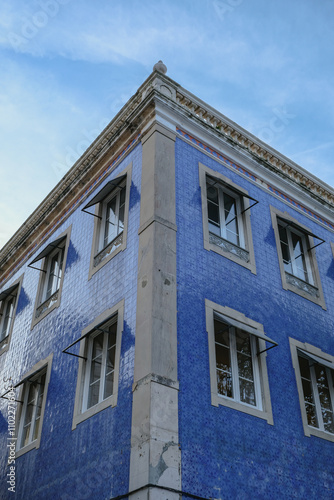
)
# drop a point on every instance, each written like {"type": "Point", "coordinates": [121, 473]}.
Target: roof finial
{"type": "Point", "coordinates": [160, 66]}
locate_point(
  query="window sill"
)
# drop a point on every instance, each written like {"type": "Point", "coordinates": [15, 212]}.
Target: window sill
{"type": "Point", "coordinates": [301, 285]}
{"type": "Point", "coordinates": [218, 400]}
{"type": "Point", "coordinates": [81, 417]}
{"type": "Point", "coordinates": [47, 304]}
{"type": "Point", "coordinates": [227, 246]}
{"type": "Point", "coordinates": [31, 446]}
{"type": "Point", "coordinates": [113, 245]}
{"type": "Point", "coordinates": [230, 251]}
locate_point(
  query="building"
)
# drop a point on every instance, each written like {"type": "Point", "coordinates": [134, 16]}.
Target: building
{"type": "Point", "coordinates": [167, 317]}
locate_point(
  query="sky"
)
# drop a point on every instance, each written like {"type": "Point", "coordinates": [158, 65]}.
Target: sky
{"type": "Point", "coordinates": [68, 66]}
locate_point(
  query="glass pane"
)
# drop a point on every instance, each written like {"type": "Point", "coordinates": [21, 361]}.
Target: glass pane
{"type": "Point", "coordinates": [93, 396]}
{"type": "Point", "coordinates": [245, 367]}
{"type": "Point", "coordinates": [224, 384]}
{"type": "Point", "coordinates": [285, 249]}
{"type": "Point", "coordinates": [108, 386]}
{"type": "Point", "coordinates": [28, 414]}
{"type": "Point", "coordinates": [231, 221]}
{"type": "Point", "coordinates": [212, 193]}
{"type": "Point", "coordinates": [7, 316]}
{"type": "Point", "coordinates": [247, 392]}
{"type": "Point", "coordinates": [304, 367]}
{"type": "Point", "coordinates": [299, 258]}
{"type": "Point", "coordinates": [213, 213]}
{"type": "Point", "coordinates": [223, 361]}
{"type": "Point", "coordinates": [111, 222]}
{"type": "Point", "coordinates": [221, 333]}
{"type": "Point", "coordinates": [121, 219]}
{"type": "Point", "coordinates": [311, 415]}
{"type": "Point", "coordinates": [324, 397]}
{"type": "Point", "coordinates": [243, 342]}
{"type": "Point", "coordinates": [95, 370]}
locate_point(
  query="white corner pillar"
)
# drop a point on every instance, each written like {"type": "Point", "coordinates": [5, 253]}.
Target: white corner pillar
{"type": "Point", "coordinates": [155, 462]}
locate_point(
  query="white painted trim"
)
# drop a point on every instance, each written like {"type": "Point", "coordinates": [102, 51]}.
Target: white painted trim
{"type": "Point", "coordinates": [264, 409]}
{"type": "Point", "coordinates": [308, 348]}
{"type": "Point", "coordinates": [78, 414]}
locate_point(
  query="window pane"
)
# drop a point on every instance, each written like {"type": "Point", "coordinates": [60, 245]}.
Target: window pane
{"type": "Point", "coordinates": [247, 392]}
{"type": "Point", "coordinates": [111, 222]}
{"type": "Point", "coordinates": [324, 397]}
{"type": "Point", "coordinates": [299, 258]}
{"type": "Point", "coordinates": [223, 359]}
{"type": "Point", "coordinates": [222, 333]}
{"type": "Point", "coordinates": [308, 392]}
{"type": "Point", "coordinates": [54, 274]}
{"type": "Point", "coordinates": [121, 210]}
{"type": "Point", "coordinates": [95, 371]}
{"type": "Point", "coordinates": [108, 386]}
{"type": "Point", "coordinates": [7, 316]}
{"type": "Point", "coordinates": [224, 384]}
{"type": "Point", "coordinates": [285, 249]}
{"type": "Point", "coordinates": [231, 222]}
{"type": "Point", "coordinates": [28, 415]}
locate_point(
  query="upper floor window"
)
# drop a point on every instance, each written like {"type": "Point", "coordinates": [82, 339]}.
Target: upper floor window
{"type": "Point", "coordinates": [297, 259]}
{"type": "Point", "coordinates": [8, 304]}
{"type": "Point", "coordinates": [99, 360]}
{"type": "Point", "coordinates": [52, 269]}
{"type": "Point", "coordinates": [226, 218]}
{"type": "Point", "coordinates": [110, 219]}
{"type": "Point", "coordinates": [315, 381]}
{"type": "Point", "coordinates": [237, 350]}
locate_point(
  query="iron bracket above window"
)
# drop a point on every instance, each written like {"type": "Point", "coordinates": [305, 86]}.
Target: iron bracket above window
{"type": "Point", "coordinates": [265, 350]}
{"type": "Point", "coordinates": [90, 213]}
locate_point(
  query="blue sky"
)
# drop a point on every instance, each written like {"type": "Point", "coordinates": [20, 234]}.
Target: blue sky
{"type": "Point", "coordinates": [67, 67]}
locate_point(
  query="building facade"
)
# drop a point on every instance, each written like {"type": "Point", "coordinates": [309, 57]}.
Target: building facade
{"type": "Point", "coordinates": [167, 318]}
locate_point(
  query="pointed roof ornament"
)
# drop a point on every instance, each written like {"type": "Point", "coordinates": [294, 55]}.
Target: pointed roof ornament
{"type": "Point", "coordinates": [160, 66]}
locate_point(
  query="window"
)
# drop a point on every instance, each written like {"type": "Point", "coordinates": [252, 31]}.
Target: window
{"type": "Point", "coordinates": [237, 349]}
{"type": "Point", "coordinates": [315, 382]}
{"type": "Point", "coordinates": [297, 259]}
{"type": "Point", "coordinates": [8, 304]}
{"type": "Point", "coordinates": [33, 399]}
{"type": "Point", "coordinates": [100, 365]}
{"type": "Point", "coordinates": [99, 358]}
{"type": "Point", "coordinates": [52, 269]}
{"type": "Point", "coordinates": [111, 217]}
{"type": "Point", "coordinates": [226, 218]}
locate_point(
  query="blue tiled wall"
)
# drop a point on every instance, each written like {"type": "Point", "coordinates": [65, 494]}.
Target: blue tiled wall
{"type": "Point", "coordinates": [91, 461]}
{"type": "Point", "coordinates": [226, 453]}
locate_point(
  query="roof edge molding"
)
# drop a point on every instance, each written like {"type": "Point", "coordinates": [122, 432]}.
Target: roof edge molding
{"type": "Point", "coordinates": [131, 119]}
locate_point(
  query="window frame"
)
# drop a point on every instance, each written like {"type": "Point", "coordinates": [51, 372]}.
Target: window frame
{"type": "Point", "coordinates": [101, 254]}
{"type": "Point", "coordinates": [104, 320]}
{"type": "Point", "coordinates": [5, 342]}
{"type": "Point", "coordinates": [236, 253]}
{"type": "Point", "coordinates": [311, 290]}
{"type": "Point", "coordinates": [38, 370]}
{"type": "Point", "coordinates": [263, 408]}
{"type": "Point", "coordinates": [308, 349]}
{"type": "Point", "coordinates": [44, 305]}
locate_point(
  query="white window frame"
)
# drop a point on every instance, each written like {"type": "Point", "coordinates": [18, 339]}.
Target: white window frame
{"type": "Point", "coordinates": [103, 321]}
{"type": "Point", "coordinates": [43, 367]}
{"type": "Point", "coordinates": [43, 304]}
{"type": "Point", "coordinates": [311, 289]}
{"type": "Point", "coordinates": [5, 340]}
{"type": "Point", "coordinates": [326, 361]}
{"type": "Point", "coordinates": [243, 253]}
{"type": "Point", "coordinates": [101, 254]}
{"type": "Point", "coordinates": [259, 352]}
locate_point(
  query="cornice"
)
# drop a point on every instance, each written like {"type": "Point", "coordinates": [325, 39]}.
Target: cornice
{"type": "Point", "coordinates": [128, 122]}
{"type": "Point", "coordinates": [262, 152]}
